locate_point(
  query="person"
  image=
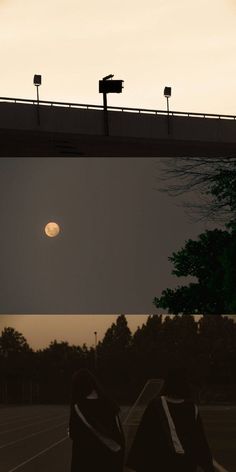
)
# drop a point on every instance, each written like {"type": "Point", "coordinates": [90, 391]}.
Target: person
{"type": "Point", "coordinates": [94, 427]}
{"type": "Point", "coordinates": [170, 436]}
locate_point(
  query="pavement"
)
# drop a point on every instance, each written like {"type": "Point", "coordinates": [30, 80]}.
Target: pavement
{"type": "Point", "coordinates": [34, 438]}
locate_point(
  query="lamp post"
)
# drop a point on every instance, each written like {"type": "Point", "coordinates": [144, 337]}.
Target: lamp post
{"type": "Point", "coordinates": [37, 83]}
{"type": "Point", "coordinates": [167, 94]}
{"type": "Point", "coordinates": [95, 349]}
{"type": "Point", "coordinates": [108, 86]}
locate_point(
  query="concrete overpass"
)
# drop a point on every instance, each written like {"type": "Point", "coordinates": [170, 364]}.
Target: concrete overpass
{"type": "Point", "coordinates": [44, 128]}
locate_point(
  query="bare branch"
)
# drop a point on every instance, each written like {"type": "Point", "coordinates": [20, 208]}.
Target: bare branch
{"type": "Point", "coordinates": [213, 180]}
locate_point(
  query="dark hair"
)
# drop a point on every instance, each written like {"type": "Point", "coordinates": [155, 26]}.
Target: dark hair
{"type": "Point", "coordinates": [83, 383]}
{"type": "Point", "coordinates": [176, 383]}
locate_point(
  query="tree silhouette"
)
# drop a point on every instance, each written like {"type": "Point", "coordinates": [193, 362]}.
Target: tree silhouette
{"type": "Point", "coordinates": [206, 348]}
{"type": "Point", "coordinates": [16, 358]}
{"type": "Point", "coordinates": [12, 342]}
{"type": "Point", "coordinates": [213, 180]}
{"type": "Point", "coordinates": [113, 353]}
{"type": "Point", "coordinates": [217, 348]}
{"type": "Point", "coordinates": [116, 340]}
{"type": "Point", "coordinates": [56, 365]}
{"type": "Point", "coordinates": [146, 349]}
{"type": "Point", "coordinates": [211, 260]}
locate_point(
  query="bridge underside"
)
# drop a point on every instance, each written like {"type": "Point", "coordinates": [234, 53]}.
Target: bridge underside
{"type": "Point", "coordinates": [31, 143]}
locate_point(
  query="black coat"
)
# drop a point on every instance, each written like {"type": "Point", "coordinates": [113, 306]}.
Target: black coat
{"type": "Point", "coordinates": [89, 453]}
{"type": "Point", "coordinates": [152, 449]}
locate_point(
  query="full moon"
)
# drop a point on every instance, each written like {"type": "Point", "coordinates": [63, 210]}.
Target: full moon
{"type": "Point", "coordinates": [52, 229]}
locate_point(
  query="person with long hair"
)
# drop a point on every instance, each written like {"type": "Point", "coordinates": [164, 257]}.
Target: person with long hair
{"type": "Point", "coordinates": [94, 427]}
{"type": "Point", "coordinates": [170, 436]}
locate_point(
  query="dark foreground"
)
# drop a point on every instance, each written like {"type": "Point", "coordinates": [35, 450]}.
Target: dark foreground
{"type": "Point", "coordinates": [34, 438]}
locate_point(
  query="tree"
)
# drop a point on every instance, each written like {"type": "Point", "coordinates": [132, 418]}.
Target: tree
{"type": "Point", "coordinates": [211, 260]}
{"type": "Point", "coordinates": [229, 266]}
{"type": "Point", "coordinates": [145, 351]}
{"type": "Point", "coordinates": [113, 353]}
{"type": "Point", "coordinates": [117, 337]}
{"type": "Point", "coordinates": [213, 180]}
{"type": "Point", "coordinates": [179, 341]}
{"type": "Point", "coordinates": [217, 351]}
{"type": "Point", "coordinates": [12, 342]}
{"type": "Point", "coordinates": [56, 365]}
{"type": "Point", "coordinates": [16, 359]}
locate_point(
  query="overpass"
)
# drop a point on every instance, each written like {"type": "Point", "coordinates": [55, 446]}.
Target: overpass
{"type": "Point", "coordinates": [33, 128]}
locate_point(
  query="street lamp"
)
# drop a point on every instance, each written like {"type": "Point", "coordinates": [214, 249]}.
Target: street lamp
{"type": "Point", "coordinates": [95, 349]}
{"type": "Point", "coordinates": [167, 94]}
{"type": "Point", "coordinates": [37, 83]}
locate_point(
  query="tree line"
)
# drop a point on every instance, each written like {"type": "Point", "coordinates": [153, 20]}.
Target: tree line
{"type": "Point", "coordinates": [124, 361]}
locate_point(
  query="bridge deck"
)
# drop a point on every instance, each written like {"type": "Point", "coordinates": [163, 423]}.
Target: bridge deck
{"type": "Point", "coordinates": [28, 128]}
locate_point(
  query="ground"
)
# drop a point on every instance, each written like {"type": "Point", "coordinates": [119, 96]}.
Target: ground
{"type": "Point", "coordinates": [34, 438]}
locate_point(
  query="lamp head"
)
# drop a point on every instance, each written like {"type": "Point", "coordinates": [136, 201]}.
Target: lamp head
{"type": "Point", "coordinates": [167, 92]}
{"type": "Point", "coordinates": [37, 80]}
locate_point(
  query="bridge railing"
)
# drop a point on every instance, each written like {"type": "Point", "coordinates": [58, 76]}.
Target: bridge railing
{"type": "Point", "coordinates": [118, 109]}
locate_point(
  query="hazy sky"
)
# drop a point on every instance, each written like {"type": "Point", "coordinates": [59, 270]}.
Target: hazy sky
{"type": "Point", "coordinates": [117, 232]}
{"type": "Point", "coordinates": [40, 330]}
{"type": "Point", "coordinates": [186, 44]}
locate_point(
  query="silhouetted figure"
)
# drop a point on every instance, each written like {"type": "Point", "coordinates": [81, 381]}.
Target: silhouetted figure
{"type": "Point", "coordinates": [170, 437]}
{"type": "Point", "coordinates": [95, 428]}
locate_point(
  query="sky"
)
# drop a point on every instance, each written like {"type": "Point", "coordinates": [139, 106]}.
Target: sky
{"type": "Point", "coordinates": [40, 330]}
{"type": "Point", "coordinates": [117, 232]}
{"type": "Point", "coordinates": [186, 44]}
